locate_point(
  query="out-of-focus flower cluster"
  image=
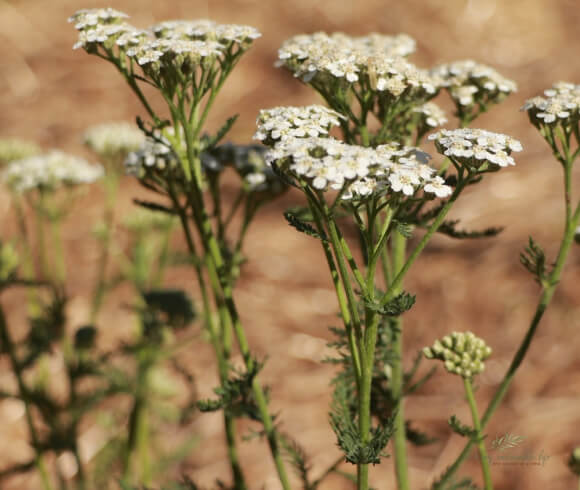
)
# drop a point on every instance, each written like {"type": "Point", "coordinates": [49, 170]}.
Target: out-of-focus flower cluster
{"type": "Point", "coordinates": [155, 155]}
{"type": "Point", "coordinates": [470, 83]}
{"type": "Point", "coordinates": [49, 172]}
{"type": "Point", "coordinates": [560, 105]}
{"type": "Point", "coordinates": [327, 163]}
{"type": "Point", "coordinates": [462, 353]}
{"type": "Point", "coordinates": [16, 149]}
{"type": "Point", "coordinates": [163, 50]}
{"type": "Point", "coordinates": [249, 163]}
{"type": "Point", "coordinates": [115, 139]}
{"type": "Point", "coordinates": [474, 148]}
{"type": "Point", "coordinates": [431, 115]}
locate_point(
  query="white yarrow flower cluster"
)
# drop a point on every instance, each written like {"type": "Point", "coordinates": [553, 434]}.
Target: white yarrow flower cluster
{"type": "Point", "coordinates": [204, 29]}
{"type": "Point", "coordinates": [49, 172]}
{"type": "Point", "coordinates": [358, 171]}
{"type": "Point", "coordinates": [87, 18]}
{"type": "Point", "coordinates": [339, 55]}
{"type": "Point", "coordinates": [172, 42]}
{"type": "Point", "coordinates": [462, 353]}
{"type": "Point", "coordinates": [469, 82]}
{"type": "Point", "coordinates": [115, 138]}
{"type": "Point", "coordinates": [474, 147]}
{"type": "Point", "coordinates": [280, 123]}
{"type": "Point", "coordinates": [560, 104]}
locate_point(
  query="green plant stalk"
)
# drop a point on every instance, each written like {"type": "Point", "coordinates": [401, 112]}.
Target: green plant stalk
{"type": "Point", "coordinates": [398, 280]}
{"type": "Point", "coordinates": [216, 264]}
{"type": "Point", "coordinates": [399, 437]}
{"type": "Point", "coordinates": [545, 298]}
{"type": "Point", "coordinates": [479, 435]}
{"type": "Point", "coordinates": [8, 347]}
{"type": "Point", "coordinates": [56, 238]}
{"type": "Point", "coordinates": [28, 261]}
{"type": "Point", "coordinates": [365, 379]}
{"type": "Point", "coordinates": [340, 294]}
{"type": "Point", "coordinates": [138, 438]}
{"type": "Point", "coordinates": [222, 356]}
{"type": "Point", "coordinates": [111, 188]}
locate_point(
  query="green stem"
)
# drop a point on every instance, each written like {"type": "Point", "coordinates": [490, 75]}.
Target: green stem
{"type": "Point", "coordinates": [215, 265]}
{"type": "Point", "coordinates": [221, 354]}
{"type": "Point", "coordinates": [340, 294]}
{"type": "Point", "coordinates": [398, 280]}
{"type": "Point", "coordinates": [138, 439]}
{"type": "Point", "coordinates": [399, 437]}
{"type": "Point", "coordinates": [544, 301]}
{"type": "Point", "coordinates": [111, 186]}
{"type": "Point", "coordinates": [479, 435]}
{"type": "Point", "coordinates": [9, 348]}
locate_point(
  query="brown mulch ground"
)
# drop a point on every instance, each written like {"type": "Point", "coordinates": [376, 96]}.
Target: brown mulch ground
{"type": "Point", "coordinates": [50, 93]}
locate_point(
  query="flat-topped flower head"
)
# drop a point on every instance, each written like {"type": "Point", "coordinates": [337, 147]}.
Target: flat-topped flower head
{"type": "Point", "coordinates": [90, 18]}
{"type": "Point", "coordinates": [560, 105]}
{"type": "Point", "coordinates": [49, 172]}
{"type": "Point", "coordinates": [357, 172]}
{"type": "Point", "coordinates": [170, 53]}
{"type": "Point", "coordinates": [339, 55]}
{"type": "Point", "coordinates": [461, 352]}
{"type": "Point", "coordinates": [206, 30]}
{"type": "Point", "coordinates": [280, 123]}
{"type": "Point", "coordinates": [476, 148]}
{"type": "Point", "coordinates": [471, 83]}
{"type": "Point", "coordinates": [17, 149]}
{"type": "Point", "coordinates": [376, 62]}
{"type": "Point", "coordinates": [114, 139]}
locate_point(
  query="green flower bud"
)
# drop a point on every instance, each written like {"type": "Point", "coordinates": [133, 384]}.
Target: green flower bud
{"type": "Point", "coordinates": [462, 353]}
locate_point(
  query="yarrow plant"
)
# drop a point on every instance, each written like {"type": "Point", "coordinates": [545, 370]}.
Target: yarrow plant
{"type": "Point", "coordinates": [359, 162]}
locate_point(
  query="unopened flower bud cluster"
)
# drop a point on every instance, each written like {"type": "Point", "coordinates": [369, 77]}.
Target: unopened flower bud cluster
{"type": "Point", "coordinates": [327, 163]}
{"type": "Point", "coordinates": [475, 147]}
{"type": "Point", "coordinates": [49, 172]}
{"type": "Point", "coordinates": [560, 104]}
{"type": "Point", "coordinates": [461, 352]}
{"type": "Point", "coordinates": [112, 139]}
{"type": "Point", "coordinates": [469, 82]}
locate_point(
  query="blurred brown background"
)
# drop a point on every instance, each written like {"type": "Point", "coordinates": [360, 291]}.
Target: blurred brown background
{"type": "Point", "coordinates": [50, 93]}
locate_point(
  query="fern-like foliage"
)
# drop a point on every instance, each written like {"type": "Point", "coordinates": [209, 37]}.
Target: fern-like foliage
{"type": "Point", "coordinates": [302, 226]}
{"type": "Point", "coordinates": [459, 428]}
{"type": "Point", "coordinates": [235, 395]}
{"type": "Point", "coordinates": [343, 422]}
{"type": "Point", "coordinates": [449, 228]}
{"type": "Point", "coordinates": [533, 259]}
